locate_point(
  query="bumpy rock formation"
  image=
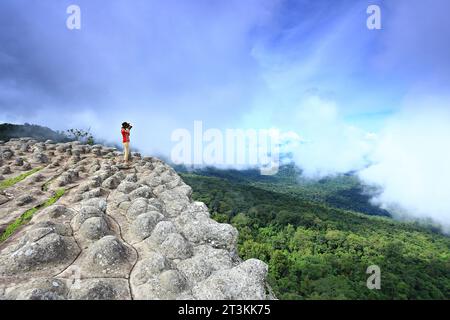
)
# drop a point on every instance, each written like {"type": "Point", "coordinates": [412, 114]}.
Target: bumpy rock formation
{"type": "Point", "coordinates": [118, 232]}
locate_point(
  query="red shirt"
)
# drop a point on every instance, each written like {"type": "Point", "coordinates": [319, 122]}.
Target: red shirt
{"type": "Point", "coordinates": [125, 135]}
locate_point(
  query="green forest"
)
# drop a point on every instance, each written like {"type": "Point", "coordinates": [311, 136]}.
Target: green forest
{"type": "Point", "coordinates": [9, 131]}
{"type": "Point", "coordinates": [319, 237]}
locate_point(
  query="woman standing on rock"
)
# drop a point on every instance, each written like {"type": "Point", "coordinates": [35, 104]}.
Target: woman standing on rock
{"type": "Point", "coordinates": [126, 127]}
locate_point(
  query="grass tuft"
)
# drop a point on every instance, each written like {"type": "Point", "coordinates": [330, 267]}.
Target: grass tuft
{"type": "Point", "coordinates": [27, 215]}
{"type": "Point", "coordinates": [12, 181]}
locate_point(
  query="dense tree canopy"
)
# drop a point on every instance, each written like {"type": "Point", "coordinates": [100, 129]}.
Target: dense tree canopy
{"type": "Point", "coordinates": [319, 251]}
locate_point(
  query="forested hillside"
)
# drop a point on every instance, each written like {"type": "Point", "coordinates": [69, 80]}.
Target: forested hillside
{"type": "Point", "coordinates": [9, 131]}
{"type": "Point", "coordinates": [341, 191]}
{"type": "Point", "coordinates": [317, 250]}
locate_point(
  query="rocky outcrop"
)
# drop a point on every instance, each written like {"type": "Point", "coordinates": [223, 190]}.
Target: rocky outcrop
{"type": "Point", "coordinates": [118, 232]}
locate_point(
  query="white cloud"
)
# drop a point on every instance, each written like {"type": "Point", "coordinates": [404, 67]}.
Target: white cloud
{"type": "Point", "coordinates": [328, 145]}
{"type": "Point", "coordinates": [409, 159]}
{"type": "Point", "coordinates": [412, 161]}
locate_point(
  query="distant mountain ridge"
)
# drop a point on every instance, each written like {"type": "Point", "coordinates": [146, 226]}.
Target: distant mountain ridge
{"type": "Point", "coordinates": [341, 191]}
{"type": "Point", "coordinates": [10, 131]}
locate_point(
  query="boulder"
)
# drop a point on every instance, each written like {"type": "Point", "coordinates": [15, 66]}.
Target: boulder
{"type": "Point", "coordinates": [23, 200]}
{"type": "Point", "coordinates": [145, 223]}
{"type": "Point", "coordinates": [244, 282]}
{"type": "Point", "coordinates": [94, 228]}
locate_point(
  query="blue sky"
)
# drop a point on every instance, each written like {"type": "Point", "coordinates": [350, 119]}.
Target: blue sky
{"type": "Point", "coordinates": [215, 59]}
{"type": "Point", "coordinates": [374, 101]}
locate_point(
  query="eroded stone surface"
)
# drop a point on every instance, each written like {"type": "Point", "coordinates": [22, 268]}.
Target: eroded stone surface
{"type": "Point", "coordinates": [119, 232]}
